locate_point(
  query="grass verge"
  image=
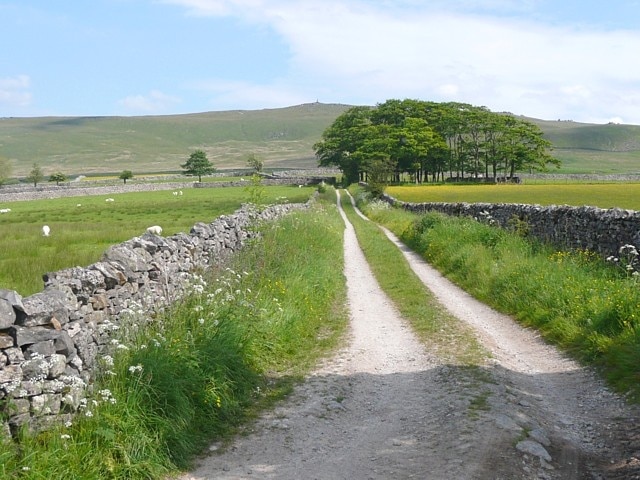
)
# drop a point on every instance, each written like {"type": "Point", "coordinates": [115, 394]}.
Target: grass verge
{"type": "Point", "coordinates": [445, 335]}
{"type": "Point", "coordinates": [579, 302]}
{"type": "Point", "coordinates": [192, 374]}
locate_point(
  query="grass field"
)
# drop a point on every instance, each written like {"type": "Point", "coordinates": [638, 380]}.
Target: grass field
{"type": "Point", "coordinates": [620, 195]}
{"type": "Point", "coordinates": [82, 228]}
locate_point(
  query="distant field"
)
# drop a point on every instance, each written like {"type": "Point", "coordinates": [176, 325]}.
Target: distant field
{"type": "Point", "coordinates": [621, 195]}
{"type": "Point", "coordinates": [82, 228]}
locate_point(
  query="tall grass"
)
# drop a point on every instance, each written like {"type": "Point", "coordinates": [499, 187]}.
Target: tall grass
{"type": "Point", "coordinates": [190, 375]}
{"type": "Point", "coordinates": [578, 301]}
{"type": "Point", "coordinates": [82, 228]}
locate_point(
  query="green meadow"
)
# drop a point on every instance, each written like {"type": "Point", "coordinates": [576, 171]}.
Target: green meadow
{"type": "Point", "coordinates": [611, 195]}
{"type": "Point", "coordinates": [82, 228]}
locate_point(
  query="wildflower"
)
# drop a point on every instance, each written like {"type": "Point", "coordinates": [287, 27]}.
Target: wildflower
{"type": "Point", "coordinates": [201, 321]}
{"type": "Point", "coordinates": [88, 413]}
{"type": "Point", "coordinates": [108, 360]}
{"type": "Point", "coordinates": [105, 394]}
{"type": "Point", "coordinates": [26, 469]}
{"type": "Point", "coordinates": [68, 423]}
{"type": "Point", "coordinates": [64, 436]}
{"type": "Point", "coordinates": [135, 368]}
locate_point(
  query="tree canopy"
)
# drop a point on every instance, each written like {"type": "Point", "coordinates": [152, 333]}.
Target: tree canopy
{"type": "Point", "coordinates": [198, 165]}
{"type": "Point", "coordinates": [58, 177]}
{"type": "Point", "coordinates": [126, 175]}
{"type": "Point", "coordinates": [428, 139]}
{"type": "Point", "coordinates": [35, 175]}
{"type": "Point", "coordinates": [255, 163]}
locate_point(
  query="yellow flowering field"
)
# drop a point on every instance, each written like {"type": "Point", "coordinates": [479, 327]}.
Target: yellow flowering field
{"type": "Point", "coordinates": [621, 195]}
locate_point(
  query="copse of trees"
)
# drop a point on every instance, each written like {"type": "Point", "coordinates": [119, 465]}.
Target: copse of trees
{"type": "Point", "coordinates": [430, 140]}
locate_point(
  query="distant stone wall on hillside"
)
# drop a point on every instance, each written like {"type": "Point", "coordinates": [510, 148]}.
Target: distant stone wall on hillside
{"type": "Point", "coordinates": [50, 342]}
{"type": "Point", "coordinates": [599, 230]}
{"type": "Point", "coordinates": [14, 193]}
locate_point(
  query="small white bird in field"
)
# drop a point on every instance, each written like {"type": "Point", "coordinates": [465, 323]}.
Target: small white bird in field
{"type": "Point", "coordinates": [45, 230]}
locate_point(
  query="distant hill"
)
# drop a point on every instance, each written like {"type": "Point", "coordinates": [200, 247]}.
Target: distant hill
{"type": "Point", "coordinates": [282, 137]}
{"type": "Point", "coordinates": [593, 148]}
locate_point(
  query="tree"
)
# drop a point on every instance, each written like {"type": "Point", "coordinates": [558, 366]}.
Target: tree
{"type": "Point", "coordinates": [198, 164]}
{"type": "Point", "coordinates": [6, 170]}
{"type": "Point", "coordinates": [126, 175]}
{"type": "Point", "coordinates": [255, 163]}
{"type": "Point", "coordinates": [58, 177]}
{"type": "Point", "coordinates": [35, 175]}
{"type": "Point", "coordinates": [342, 139]}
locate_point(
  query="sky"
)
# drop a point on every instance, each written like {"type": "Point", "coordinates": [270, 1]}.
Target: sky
{"type": "Point", "coordinates": [550, 59]}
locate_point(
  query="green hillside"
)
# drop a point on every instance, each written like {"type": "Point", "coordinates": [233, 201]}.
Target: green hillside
{"type": "Point", "coordinates": [591, 148]}
{"type": "Point", "coordinates": [282, 137]}
{"type": "Point", "coordinates": [84, 145]}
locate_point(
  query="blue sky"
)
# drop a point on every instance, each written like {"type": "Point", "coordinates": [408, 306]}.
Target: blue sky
{"type": "Point", "coordinates": [550, 59]}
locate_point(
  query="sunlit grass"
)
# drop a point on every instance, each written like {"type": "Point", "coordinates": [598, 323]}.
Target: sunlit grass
{"type": "Point", "coordinates": [578, 301]}
{"type": "Point", "coordinates": [621, 195]}
{"type": "Point", "coordinates": [82, 228]}
{"type": "Point", "coordinates": [191, 375]}
{"type": "Point", "coordinates": [452, 341]}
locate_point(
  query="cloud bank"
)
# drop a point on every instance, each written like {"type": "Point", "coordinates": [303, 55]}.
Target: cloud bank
{"type": "Point", "coordinates": [501, 54]}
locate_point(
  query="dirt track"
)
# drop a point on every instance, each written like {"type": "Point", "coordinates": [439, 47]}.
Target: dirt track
{"type": "Point", "coordinates": [385, 407]}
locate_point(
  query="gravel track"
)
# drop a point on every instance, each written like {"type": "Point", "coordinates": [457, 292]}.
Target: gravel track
{"type": "Point", "coordinates": [385, 407]}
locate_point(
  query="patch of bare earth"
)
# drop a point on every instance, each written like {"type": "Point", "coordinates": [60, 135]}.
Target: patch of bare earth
{"type": "Point", "coordinates": [385, 407]}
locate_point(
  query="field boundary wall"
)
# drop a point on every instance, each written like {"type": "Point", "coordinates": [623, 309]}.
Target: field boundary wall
{"type": "Point", "coordinates": [587, 228]}
{"type": "Point", "coordinates": [51, 342]}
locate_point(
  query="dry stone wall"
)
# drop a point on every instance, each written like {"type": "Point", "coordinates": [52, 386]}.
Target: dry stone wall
{"type": "Point", "coordinates": [599, 230]}
{"type": "Point", "coordinates": [50, 341]}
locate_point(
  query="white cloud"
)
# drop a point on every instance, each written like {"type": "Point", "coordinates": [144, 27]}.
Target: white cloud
{"type": "Point", "coordinates": [372, 52]}
{"type": "Point", "coordinates": [239, 94]}
{"type": "Point", "coordinates": [154, 102]}
{"type": "Point", "coordinates": [15, 91]}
